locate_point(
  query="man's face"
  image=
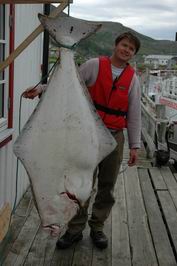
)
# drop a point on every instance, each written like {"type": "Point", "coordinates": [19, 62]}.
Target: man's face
{"type": "Point", "coordinates": [124, 50]}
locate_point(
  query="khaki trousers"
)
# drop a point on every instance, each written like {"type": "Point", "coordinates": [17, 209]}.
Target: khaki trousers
{"type": "Point", "coordinates": [104, 200]}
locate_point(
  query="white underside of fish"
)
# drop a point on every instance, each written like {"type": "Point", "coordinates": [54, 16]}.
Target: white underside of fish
{"type": "Point", "coordinates": [61, 145]}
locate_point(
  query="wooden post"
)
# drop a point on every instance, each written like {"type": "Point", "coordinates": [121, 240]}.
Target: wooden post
{"type": "Point", "coordinates": [161, 127]}
{"type": "Point", "coordinates": [160, 111]}
{"type": "Point", "coordinates": [150, 149]}
{"type": "Point", "coordinates": [5, 213]}
{"type": "Point", "coordinates": [30, 38]}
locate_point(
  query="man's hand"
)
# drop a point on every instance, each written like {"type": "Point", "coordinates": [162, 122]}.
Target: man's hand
{"type": "Point", "coordinates": [133, 157]}
{"type": "Point", "coordinates": [31, 92]}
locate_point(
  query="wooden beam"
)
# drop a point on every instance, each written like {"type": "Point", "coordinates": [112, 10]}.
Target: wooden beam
{"type": "Point", "coordinates": [34, 1]}
{"type": "Point", "coordinates": [30, 38]}
{"type": "Point", "coordinates": [5, 213]}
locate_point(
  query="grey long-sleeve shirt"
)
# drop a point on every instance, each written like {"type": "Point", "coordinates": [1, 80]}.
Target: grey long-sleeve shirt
{"type": "Point", "coordinates": [89, 73]}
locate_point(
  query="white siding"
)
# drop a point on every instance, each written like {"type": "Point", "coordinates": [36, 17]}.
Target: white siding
{"type": "Point", "coordinates": [6, 174]}
{"type": "Point", "coordinates": [27, 73]}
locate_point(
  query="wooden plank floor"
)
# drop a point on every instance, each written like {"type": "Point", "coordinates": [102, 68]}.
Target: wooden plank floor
{"type": "Point", "coordinates": [142, 227]}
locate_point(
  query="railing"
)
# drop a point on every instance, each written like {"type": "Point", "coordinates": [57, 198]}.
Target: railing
{"type": "Point", "coordinates": [153, 122]}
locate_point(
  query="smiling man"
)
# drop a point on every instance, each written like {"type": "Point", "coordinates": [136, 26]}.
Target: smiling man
{"type": "Point", "coordinates": [115, 91]}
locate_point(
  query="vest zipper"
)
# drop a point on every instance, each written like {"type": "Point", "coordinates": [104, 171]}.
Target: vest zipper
{"type": "Point", "coordinates": [114, 84]}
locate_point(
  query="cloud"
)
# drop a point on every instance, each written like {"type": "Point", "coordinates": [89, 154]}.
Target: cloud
{"type": "Point", "coordinates": [156, 19]}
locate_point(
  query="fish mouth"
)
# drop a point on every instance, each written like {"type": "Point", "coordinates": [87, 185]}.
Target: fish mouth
{"type": "Point", "coordinates": [56, 229]}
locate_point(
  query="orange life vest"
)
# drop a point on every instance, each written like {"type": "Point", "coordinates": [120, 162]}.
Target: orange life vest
{"type": "Point", "coordinates": [111, 97]}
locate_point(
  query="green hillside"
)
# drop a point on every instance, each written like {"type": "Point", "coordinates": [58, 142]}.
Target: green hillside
{"type": "Point", "coordinates": [102, 43]}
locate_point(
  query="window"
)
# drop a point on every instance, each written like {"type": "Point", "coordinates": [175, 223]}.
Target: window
{"type": "Point", "coordinates": [4, 46]}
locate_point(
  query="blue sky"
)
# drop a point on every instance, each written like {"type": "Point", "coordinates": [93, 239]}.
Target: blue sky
{"type": "Point", "coordinates": [154, 18]}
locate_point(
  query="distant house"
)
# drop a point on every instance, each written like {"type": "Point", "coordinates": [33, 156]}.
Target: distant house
{"type": "Point", "coordinates": [172, 62]}
{"type": "Point", "coordinates": [157, 60]}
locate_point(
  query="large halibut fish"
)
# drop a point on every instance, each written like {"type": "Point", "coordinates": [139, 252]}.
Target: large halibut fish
{"type": "Point", "coordinates": [64, 139]}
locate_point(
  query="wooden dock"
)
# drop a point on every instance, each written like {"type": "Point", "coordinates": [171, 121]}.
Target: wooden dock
{"type": "Point", "coordinates": [142, 228]}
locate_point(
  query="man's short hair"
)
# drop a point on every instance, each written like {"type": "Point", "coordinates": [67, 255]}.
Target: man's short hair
{"type": "Point", "coordinates": [132, 38]}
